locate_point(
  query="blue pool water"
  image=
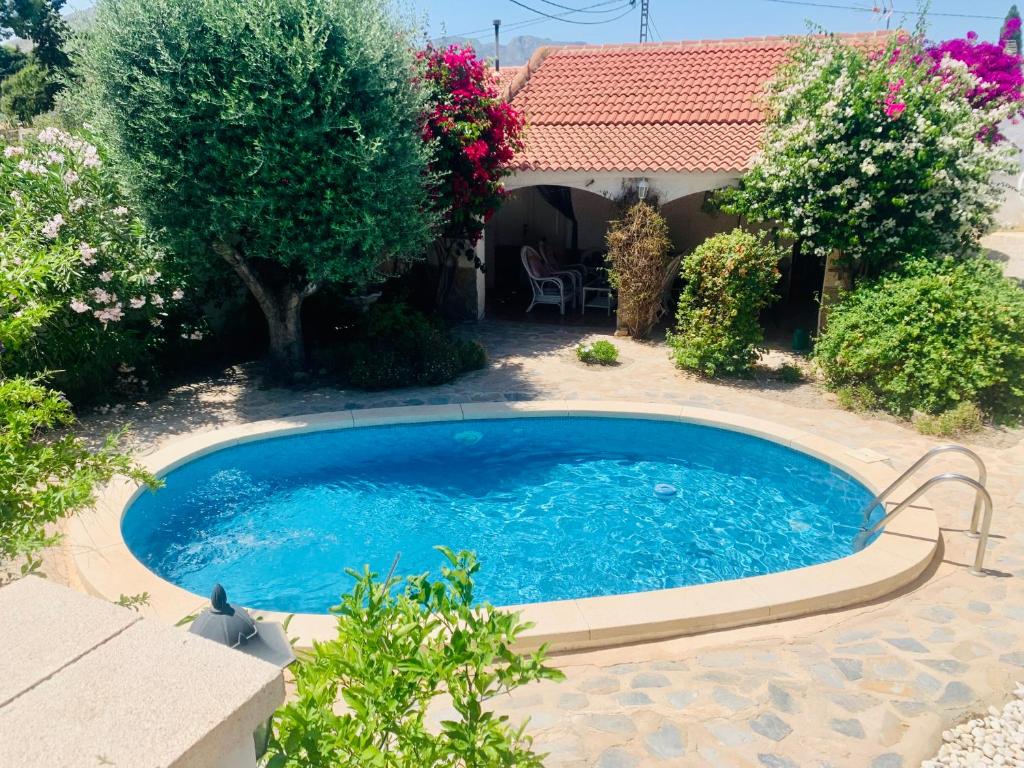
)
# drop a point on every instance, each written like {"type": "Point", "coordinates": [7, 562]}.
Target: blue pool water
{"type": "Point", "coordinates": [555, 508]}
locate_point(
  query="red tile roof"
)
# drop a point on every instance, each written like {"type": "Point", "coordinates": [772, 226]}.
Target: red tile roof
{"type": "Point", "coordinates": [689, 106]}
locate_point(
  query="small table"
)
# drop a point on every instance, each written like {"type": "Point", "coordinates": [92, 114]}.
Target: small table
{"type": "Point", "coordinates": [601, 299]}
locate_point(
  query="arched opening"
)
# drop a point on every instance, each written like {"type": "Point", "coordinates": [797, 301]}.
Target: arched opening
{"type": "Point", "coordinates": [570, 222]}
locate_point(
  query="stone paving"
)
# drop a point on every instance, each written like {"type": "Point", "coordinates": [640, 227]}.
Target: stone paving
{"type": "Point", "coordinates": [873, 685]}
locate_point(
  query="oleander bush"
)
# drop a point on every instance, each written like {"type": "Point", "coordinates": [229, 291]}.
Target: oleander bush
{"type": "Point", "coordinates": [599, 352]}
{"type": "Point", "coordinates": [85, 288]}
{"type": "Point", "coordinates": [729, 278]}
{"type": "Point", "coordinates": [362, 699]}
{"type": "Point", "coordinates": [930, 337]}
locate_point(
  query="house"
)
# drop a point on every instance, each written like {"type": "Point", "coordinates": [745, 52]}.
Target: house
{"type": "Point", "coordinates": [686, 117]}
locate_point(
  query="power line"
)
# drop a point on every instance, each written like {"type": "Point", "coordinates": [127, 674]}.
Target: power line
{"type": "Point", "coordinates": [559, 17]}
{"type": "Point", "coordinates": [585, 9]}
{"type": "Point", "coordinates": [861, 9]}
{"type": "Point", "coordinates": [523, 23]}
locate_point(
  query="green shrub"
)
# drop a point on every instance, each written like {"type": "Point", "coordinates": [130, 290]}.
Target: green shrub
{"type": "Point", "coordinates": [961, 419]}
{"type": "Point", "coordinates": [857, 398]}
{"type": "Point", "coordinates": [638, 246]}
{"type": "Point", "coordinates": [402, 347]}
{"type": "Point", "coordinates": [472, 355]}
{"type": "Point", "coordinates": [47, 474]}
{"type": "Point", "coordinates": [600, 352]}
{"type": "Point", "coordinates": [791, 374]}
{"type": "Point", "coordinates": [362, 699]}
{"type": "Point", "coordinates": [930, 337]}
{"type": "Point", "coordinates": [280, 138]}
{"type": "Point", "coordinates": [27, 93]}
{"type": "Point", "coordinates": [729, 280]}
{"type": "Point", "coordinates": [85, 289]}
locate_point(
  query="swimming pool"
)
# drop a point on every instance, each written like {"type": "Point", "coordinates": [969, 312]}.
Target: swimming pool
{"type": "Point", "coordinates": [556, 508]}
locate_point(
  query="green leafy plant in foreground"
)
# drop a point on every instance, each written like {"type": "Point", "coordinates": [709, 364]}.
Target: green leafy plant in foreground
{"type": "Point", "coordinates": [46, 474]}
{"type": "Point", "coordinates": [600, 352]}
{"type": "Point", "coordinates": [362, 699]}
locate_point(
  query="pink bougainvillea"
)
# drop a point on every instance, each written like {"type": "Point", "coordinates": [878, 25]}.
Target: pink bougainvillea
{"type": "Point", "coordinates": [999, 73]}
{"type": "Point", "coordinates": [476, 134]}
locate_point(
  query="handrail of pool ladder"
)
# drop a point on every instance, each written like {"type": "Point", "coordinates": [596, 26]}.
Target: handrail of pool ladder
{"type": "Point", "coordinates": [979, 556]}
{"type": "Point", "coordinates": [925, 458]}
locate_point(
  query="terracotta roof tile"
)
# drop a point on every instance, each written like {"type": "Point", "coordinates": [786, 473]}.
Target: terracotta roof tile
{"type": "Point", "coordinates": [688, 106]}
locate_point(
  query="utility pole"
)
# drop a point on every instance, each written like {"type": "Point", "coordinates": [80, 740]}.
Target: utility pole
{"type": "Point", "coordinates": [497, 46]}
{"type": "Point", "coordinates": [645, 20]}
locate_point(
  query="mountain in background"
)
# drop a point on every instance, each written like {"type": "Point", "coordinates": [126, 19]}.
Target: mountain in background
{"type": "Point", "coordinates": [516, 52]}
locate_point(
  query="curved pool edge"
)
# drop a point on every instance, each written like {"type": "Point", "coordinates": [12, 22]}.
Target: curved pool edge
{"type": "Point", "coordinates": [108, 569]}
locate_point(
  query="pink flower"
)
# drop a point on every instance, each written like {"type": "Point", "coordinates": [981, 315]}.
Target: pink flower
{"type": "Point", "coordinates": [106, 277]}
{"type": "Point", "coordinates": [12, 150]}
{"type": "Point", "coordinates": [100, 295]}
{"type": "Point", "coordinates": [70, 178]}
{"type": "Point", "coordinates": [52, 228]}
{"type": "Point", "coordinates": [894, 109]}
{"type": "Point", "coordinates": [109, 314]}
{"type": "Point", "coordinates": [77, 204]}
{"type": "Point", "coordinates": [178, 294]}
{"type": "Point", "coordinates": [156, 300]}
{"type": "Point", "coordinates": [88, 254]}
{"type": "Point", "coordinates": [138, 302]}
{"type": "Point", "coordinates": [79, 306]}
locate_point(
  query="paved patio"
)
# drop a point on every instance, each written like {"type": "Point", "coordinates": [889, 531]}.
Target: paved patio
{"type": "Point", "coordinates": [868, 686]}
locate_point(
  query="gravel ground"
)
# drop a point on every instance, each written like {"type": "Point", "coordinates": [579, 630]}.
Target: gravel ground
{"type": "Point", "coordinates": [997, 739]}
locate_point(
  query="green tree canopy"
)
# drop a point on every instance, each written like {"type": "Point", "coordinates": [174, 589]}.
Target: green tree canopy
{"type": "Point", "coordinates": [41, 22]}
{"type": "Point", "coordinates": [1008, 32]}
{"type": "Point", "coordinates": [281, 136]}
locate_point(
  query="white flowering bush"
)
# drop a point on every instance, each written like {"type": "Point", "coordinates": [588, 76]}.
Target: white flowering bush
{"type": "Point", "coordinates": [879, 154]}
{"type": "Point", "coordinates": [83, 294]}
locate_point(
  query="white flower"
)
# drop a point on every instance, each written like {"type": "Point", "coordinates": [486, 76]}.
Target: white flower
{"type": "Point", "coordinates": [79, 306]}
{"type": "Point", "coordinates": [138, 302]}
{"type": "Point", "coordinates": [16, 196]}
{"type": "Point", "coordinates": [52, 228]}
{"type": "Point", "coordinates": [868, 167]}
{"type": "Point", "coordinates": [120, 211]}
{"type": "Point", "coordinates": [77, 204]}
{"type": "Point", "coordinates": [12, 150]}
{"type": "Point", "coordinates": [54, 157]}
{"type": "Point", "coordinates": [153, 278]}
{"type": "Point", "coordinates": [70, 178]}
{"type": "Point", "coordinates": [156, 322]}
{"type": "Point", "coordinates": [100, 295]}
{"type": "Point", "coordinates": [196, 336]}
{"type": "Point", "coordinates": [178, 294]}
{"type": "Point", "coordinates": [106, 276]}
{"type": "Point", "coordinates": [156, 300]}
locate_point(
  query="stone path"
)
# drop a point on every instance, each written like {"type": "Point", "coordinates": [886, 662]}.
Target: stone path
{"type": "Point", "coordinates": [870, 686]}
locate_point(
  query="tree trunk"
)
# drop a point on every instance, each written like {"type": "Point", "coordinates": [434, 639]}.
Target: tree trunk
{"type": "Point", "coordinates": [283, 312]}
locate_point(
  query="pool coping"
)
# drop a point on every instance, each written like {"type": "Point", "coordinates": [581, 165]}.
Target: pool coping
{"type": "Point", "coordinates": [107, 567]}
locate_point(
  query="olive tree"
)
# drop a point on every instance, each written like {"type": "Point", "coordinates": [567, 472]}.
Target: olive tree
{"type": "Point", "coordinates": [280, 136]}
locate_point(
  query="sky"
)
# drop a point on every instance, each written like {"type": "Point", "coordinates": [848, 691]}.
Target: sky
{"type": "Point", "coordinates": [691, 19]}
{"type": "Point", "coordinates": [696, 19]}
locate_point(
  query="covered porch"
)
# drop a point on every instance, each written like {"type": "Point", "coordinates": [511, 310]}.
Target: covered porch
{"type": "Point", "coordinates": [570, 213]}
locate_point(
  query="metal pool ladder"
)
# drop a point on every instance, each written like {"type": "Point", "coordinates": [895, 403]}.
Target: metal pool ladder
{"type": "Point", "coordinates": [982, 500]}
